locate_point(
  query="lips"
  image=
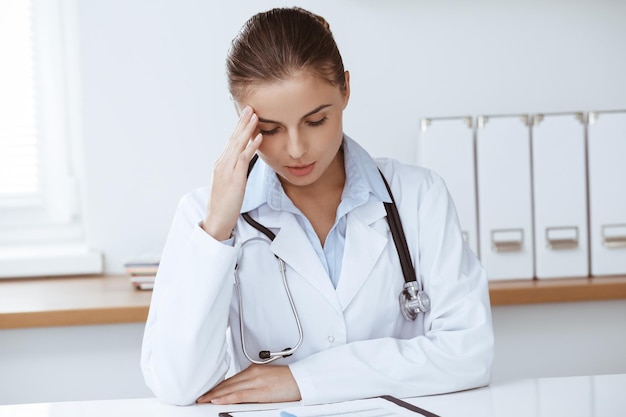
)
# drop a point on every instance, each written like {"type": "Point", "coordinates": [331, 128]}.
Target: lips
{"type": "Point", "coordinates": [301, 170]}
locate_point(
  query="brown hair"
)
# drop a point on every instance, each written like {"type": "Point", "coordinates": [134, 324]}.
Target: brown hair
{"type": "Point", "coordinates": [273, 45]}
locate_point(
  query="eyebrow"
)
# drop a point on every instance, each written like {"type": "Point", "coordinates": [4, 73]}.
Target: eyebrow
{"type": "Point", "coordinates": [315, 110]}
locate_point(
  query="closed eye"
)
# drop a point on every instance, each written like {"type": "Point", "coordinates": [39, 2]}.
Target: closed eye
{"type": "Point", "coordinates": [317, 122]}
{"type": "Point", "coordinates": [274, 131]}
{"type": "Point", "coordinates": [268, 132]}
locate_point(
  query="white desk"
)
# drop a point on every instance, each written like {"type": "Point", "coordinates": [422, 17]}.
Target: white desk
{"type": "Point", "coordinates": [584, 396]}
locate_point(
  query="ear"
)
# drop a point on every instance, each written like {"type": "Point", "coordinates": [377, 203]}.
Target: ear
{"type": "Point", "coordinates": [346, 91]}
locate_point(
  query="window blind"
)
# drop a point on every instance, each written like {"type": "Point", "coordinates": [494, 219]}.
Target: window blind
{"type": "Point", "coordinates": [19, 150]}
{"type": "Point", "coordinates": [38, 189]}
{"type": "Point", "coordinates": [41, 231]}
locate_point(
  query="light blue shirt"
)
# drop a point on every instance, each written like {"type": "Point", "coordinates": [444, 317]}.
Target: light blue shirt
{"type": "Point", "coordinates": [363, 181]}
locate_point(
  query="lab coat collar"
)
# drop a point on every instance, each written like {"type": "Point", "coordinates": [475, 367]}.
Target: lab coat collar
{"type": "Point", "coordinates": [364, 246]}
{"type": "Point", "coordinates": [293, 246]}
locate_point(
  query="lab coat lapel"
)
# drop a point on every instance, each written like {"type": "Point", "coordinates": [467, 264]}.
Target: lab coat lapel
{"type": "Point", "coordinates": [293, 246]}
{"type": "Point", "coordinates": [362, 251]}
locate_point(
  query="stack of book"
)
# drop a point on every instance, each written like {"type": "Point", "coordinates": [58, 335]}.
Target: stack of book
{"type": "Point", "coordinates": [142, 272]}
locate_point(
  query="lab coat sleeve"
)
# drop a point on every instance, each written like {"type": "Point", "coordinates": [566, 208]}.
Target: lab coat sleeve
{"type": "Point", "coordinates": [184, 351]}
{"type": "Point", "coordinates": [454, 353]}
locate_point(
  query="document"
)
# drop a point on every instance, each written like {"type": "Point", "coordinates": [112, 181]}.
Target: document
{"type": "Point", "coordinates": [385, 406]}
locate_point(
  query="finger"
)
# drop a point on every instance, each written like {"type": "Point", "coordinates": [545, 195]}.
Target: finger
{"type": "Point", "coordinates": [248, 130]}
{"type": "Point", "coordinates": [246, 155]}
{"type": "Point", "coordinates": [226, 388]}
{"type": "Point", "coordinates": [234, 391]}
{"type": "Point", "coordinates": [226, 385]}
{"type": "Point", "coordinates": [244, 380]}
{"type": "Point", "coordinates": [242, 123]}
{"type": "Point", "coordinates": [241, 397]}
{"type": "Point", "coordinates": [256, 384]}
{"type": "Point", "coordinates": [244, 119]}
{"type": "Point", "coordinates": [245, 128]}
{"type": "Point", "coordinates": [237, 143]}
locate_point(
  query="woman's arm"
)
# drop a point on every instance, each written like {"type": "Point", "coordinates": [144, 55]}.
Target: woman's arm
{"type": "Point", "coordinates": [184, 350]}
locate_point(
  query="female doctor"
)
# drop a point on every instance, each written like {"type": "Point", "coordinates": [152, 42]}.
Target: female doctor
{"type": "Point", "coordinates": [308, 279]}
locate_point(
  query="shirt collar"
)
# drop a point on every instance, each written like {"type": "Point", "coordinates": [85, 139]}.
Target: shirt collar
{"type": "Point", "coordinates": [362, 174]}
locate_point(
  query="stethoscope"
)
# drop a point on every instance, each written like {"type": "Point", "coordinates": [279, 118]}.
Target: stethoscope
{"type": "Point", "coordinates": [412, 299]}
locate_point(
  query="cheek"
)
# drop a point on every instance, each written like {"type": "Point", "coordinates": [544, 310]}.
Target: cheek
{"type": "Point", "coordinates": [269, 148]}
{"type": "Point", "coordinates": [335, 126]}
{"type": "Point", "coordinates": [333, 132]}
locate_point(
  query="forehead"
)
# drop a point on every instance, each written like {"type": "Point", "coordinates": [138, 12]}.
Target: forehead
{"type": "Point", "coordinates": [296, 95]}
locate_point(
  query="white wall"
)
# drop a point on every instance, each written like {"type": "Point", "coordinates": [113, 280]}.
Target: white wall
{"type": "Point", "coordinates": [156, 110]}
{"type": "Point", "coordinates": [564, 339]}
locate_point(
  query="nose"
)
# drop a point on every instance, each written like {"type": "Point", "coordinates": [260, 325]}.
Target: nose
{"type": "Point", "coordinates": [296, 145]}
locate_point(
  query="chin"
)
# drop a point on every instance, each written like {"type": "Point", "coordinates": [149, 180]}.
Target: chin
{"type": "Point", "coordinates": [299, 181]}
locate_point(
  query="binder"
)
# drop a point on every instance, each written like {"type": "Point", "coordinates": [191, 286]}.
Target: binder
{"type": "Point", "coordinates": [384, 403]}
{"type": "Point", "coordinates": [606, 147]}
{"type": "Point", "coordinates": [503, 168]}
{"type": "Point", "coordinates": [560, 195]}
{"type": "Point", "coordinates": [446, 145]}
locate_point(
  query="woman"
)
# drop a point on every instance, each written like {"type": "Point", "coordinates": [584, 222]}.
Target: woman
{"type": "Point", "coordinates": [322, 197]}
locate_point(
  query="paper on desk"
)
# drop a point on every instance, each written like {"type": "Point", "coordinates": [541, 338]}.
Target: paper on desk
{"type": "Point", "coordinates": [372, 407]}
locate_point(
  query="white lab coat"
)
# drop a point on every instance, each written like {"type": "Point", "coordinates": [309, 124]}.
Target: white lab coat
{"type": "Point", "coordinates": [356, 342]}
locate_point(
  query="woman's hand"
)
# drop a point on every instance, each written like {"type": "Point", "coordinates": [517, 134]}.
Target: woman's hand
{"type": "Point", "coordinates": [230, 177]}
{"type": "Point", "coordinates": [256, 384]}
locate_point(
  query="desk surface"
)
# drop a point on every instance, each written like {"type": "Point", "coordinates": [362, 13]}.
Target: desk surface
{"type": "Point", "coordinates": [108, 299]}
{"type": "Point", "coordinates": [598, 396]}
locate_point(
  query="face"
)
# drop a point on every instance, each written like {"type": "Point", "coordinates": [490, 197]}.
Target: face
{"type": "Point", "coordinates": [301, 122]}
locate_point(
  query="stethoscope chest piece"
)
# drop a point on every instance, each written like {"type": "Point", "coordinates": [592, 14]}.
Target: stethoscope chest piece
{"type": "Point", "coordinates": [413, 301]}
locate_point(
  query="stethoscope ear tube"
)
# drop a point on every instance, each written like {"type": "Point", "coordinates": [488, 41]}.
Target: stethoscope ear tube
{"type": "Point", "coordinates": [413, 300]}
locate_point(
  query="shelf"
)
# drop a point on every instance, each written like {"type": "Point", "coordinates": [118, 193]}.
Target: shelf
{"type": "Point", "coordinates": [110, 299]}
{"type": "Point", "coordinates": [557, 290]}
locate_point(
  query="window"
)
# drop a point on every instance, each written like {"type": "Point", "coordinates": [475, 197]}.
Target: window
{"type": "Point", "coordinates": [18, 147]}
{"type": "Point", "coordinates": [39, 211]}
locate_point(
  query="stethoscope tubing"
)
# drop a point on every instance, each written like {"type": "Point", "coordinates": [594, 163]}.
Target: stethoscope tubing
{"type": "Point", "coordinates": [269, 356]}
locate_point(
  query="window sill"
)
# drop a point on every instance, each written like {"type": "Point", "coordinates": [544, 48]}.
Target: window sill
{"type": "Point", "coordinates": [49, 260]}
{"type": "Point", "coordinates": [69, 301]}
